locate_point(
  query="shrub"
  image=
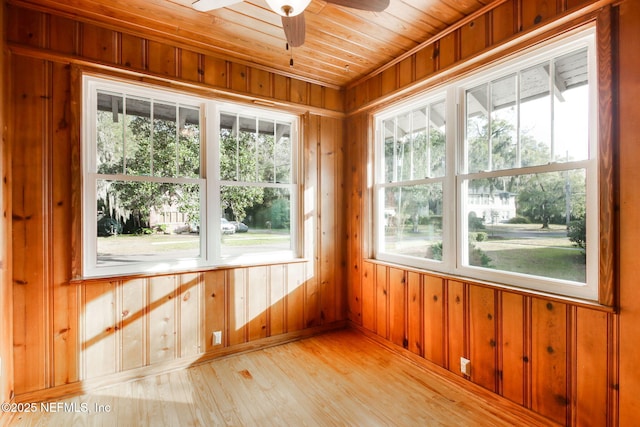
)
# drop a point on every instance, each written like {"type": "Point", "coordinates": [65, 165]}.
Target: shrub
{"type": "Point", "coordinates": [577, 233]}
{"type": "Point", "coordinates": [475, 223]}
{"type": "Point", "coordinates": [477, 256]}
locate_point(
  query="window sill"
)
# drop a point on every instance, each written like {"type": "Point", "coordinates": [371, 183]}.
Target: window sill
{"type": "Point", "coordinates": [201, 269]}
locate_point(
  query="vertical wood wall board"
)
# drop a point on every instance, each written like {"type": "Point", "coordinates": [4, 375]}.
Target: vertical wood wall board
{"type": "Point", "coordinates": [238, 77]}
{"type": "Point", "coordinates": [328, 179]}
{"type": "Point", "coordinates": [99, 348]}
{"type": "Point", "coordinates": [162, 59]}
{"type": "Point", "coordinates": [397, 306]}
{"type": "Point", "coordinates": [473, 37]}
{"type": "Point", "coordinates": [133, 52]}
{"type": "Point", "coordinates": [298, 91]}
{"type": "Point", "coordinates": [161, 327]}
{"type": "Point", "coordinates": [388, 80]}
{"type": "Point", "coordinates": [434, 320]}
{"type": "Point", "coordinates": [27, 26]}
{"type": "Point", "coordinates": [368, 296]}
{"type": "Point", "coordinates": [504, 21]}
{"type": "Point", "coordinates": [98, 43]}
{"type": "Point", "coordinates": [64, 295]}
{"type": "Point", "coordinates": [425, 62]}
{"type": "Point", "coordinates": [456, 325]}
{"type": "Point", "coordinates": [591, 368]}
{"type": "Point", "coordinates": [189, 326]}
{"type": "Point", "coordinates": [406, 71]}
{"type": "Point", "coordinates": [260, 81]}
{"type": "Point", "coordinates": [281, 86]}
{"type": "Point", "coordinates": [295, 297]}
{"type": "Point", "coordinates": [482, 337]}
{"type": "Point", "coordinates": [382, 300]}
{"type": "Point", "coordinates": [29, 90]}
{"type": "Point", "coordinates": [214, 307]}
{"type": "Point", "coordinates": [62, 34]}
{"type": "Point", "coordinates": [237, 297]}
{"type": "Point", "coordinates": [448, 48]}
{"type": "Point", "coordinates": [190, 66]}
{"type": "Point", "coordinates": [131, 317]}
{"type": "Point", "coordinates": [549, 359]}
{"type": "Point", "coordinates": [312, 216]}
{"type": "Point", "coordinates": [316, 96]}
{"type": "Point", "coordinates": [628, 89]}
{"type": "Point", "coordinates": [215, 71]}
{"type": "Point", "coordinates": [535, 12]}
{"type": "Point", "coordinates": [277, 300]}
{"type": "Point", "coordinates": [512, 347]}
{"type": "Point", "coordinates": [6, 272]}
{"type": "Point", "coordinates": [257, 293]}
{"type": "Point", "coordinates": [415, 333]}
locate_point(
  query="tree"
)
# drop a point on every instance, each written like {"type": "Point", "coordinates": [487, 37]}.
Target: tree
{"type": "Point", "coordinates": [150, 147]}
{"type": "Point", "coordinates": [238, 162]}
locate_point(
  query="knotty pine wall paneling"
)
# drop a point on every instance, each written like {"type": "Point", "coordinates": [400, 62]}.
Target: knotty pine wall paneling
{"type": "Point", "coordinates": [30, 92]}
{"type": "Point", "coordinates": [552, 357]}
{"type": "Point", "coordinates": [6, 285]}
{"type": "Point", "coordinates": [627, 20]}
{"type": "Point", "coordinates": [562, 359]}
{"type": "Point", "coordinates": [491, 26]}
{"type": "Point", "coordinates": [70, 333]}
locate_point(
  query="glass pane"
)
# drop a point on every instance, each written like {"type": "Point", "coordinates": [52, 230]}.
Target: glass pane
{"type": "Point", "coordinates": [165, 147]}
{"type": "Point", "coordinates": [189, 142]}
{"type": "Point", "coordinates": [529, 224]}
{"type": "Point", "coordinates": [571, 107]}
{"type": "Point", "coordinates": [228, 147]}
{"type": "Point", "coordinates": [283, 155]}
{"type": "Point", "coordinates": [246, 156]}
{"type": "Point", "coordinates": [266, 151]}
{"type": "Point", "coordinates": [145, 221]}
{"type": "Point", "coordinates": [535, 116]}
{"type": "Point", "coordinates": [420, 154]}
{"type": "Point", "coordinates": [389, 150]}
{"type": "Point", "coordinates": [504, 124]}
{"type": "Point", "coordinates": [404, 145]}
{"type": "Point", "coordinates": [110, 134]}
{"type": "Point", "coordinates": [413, 221]}
{"type": "Point", "coordinates": [437, 140]}
{"type": "Point", "coordinates": [138, 137]}
{"type": "Point", "coordinates": [477, 128]}
{"type": "Point", "coordinates": [255, 220]}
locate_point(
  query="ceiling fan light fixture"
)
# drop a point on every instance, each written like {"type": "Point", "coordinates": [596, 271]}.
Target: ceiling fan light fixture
{"type": "Point", "coordinates": [288, 7]}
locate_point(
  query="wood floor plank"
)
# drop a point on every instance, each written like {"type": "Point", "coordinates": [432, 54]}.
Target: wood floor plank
{"type": "Point", "coordinates": [338, 378]}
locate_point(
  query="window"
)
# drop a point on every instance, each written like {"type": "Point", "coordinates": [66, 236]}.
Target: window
{"type": "Point", "coordinates": [494, 177]}
{"type": "Point", "coordinates": [163, 190]}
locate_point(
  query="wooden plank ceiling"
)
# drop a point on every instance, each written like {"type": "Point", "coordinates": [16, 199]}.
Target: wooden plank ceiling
{"type": "Point", "coordinates": [342, 44]}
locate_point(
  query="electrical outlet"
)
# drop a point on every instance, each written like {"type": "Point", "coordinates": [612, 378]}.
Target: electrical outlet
{"type": "Point", "coordinates": [217, 338]}
{"type": "Point", "coordinates": [465, 366]}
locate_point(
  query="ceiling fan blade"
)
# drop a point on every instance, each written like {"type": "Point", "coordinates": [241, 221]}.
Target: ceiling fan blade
{"type": "Point", "coordinates": [368, 5]}
{"type": "Point", "coordinates": [294, 29]}
{"type": "Point", "coordinates": [206, 5]}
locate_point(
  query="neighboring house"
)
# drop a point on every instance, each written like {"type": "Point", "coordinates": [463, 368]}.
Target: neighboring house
{"type": "Point", "coordinates": [492, 207]}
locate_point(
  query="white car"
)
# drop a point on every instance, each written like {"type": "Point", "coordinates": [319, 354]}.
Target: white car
{"type": "Point", "coordinates": [226, 227]}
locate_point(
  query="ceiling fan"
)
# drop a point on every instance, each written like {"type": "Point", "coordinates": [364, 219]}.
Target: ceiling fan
{"type": "Point", "coordinates": [293, 21]}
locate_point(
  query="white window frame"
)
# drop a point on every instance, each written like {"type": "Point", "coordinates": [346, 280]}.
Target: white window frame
{"type": "Point", "coordinates": [455, 223]}
{"type": "Point", "coordinates": [209, 180]}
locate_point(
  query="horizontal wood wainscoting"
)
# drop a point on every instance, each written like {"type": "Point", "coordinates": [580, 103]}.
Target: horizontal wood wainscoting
{"type": "Point", "coordinates": [553, 357]}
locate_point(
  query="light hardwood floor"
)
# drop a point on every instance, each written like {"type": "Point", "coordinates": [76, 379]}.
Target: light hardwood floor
{"type": "Point", "coordinates": [335, 379]}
